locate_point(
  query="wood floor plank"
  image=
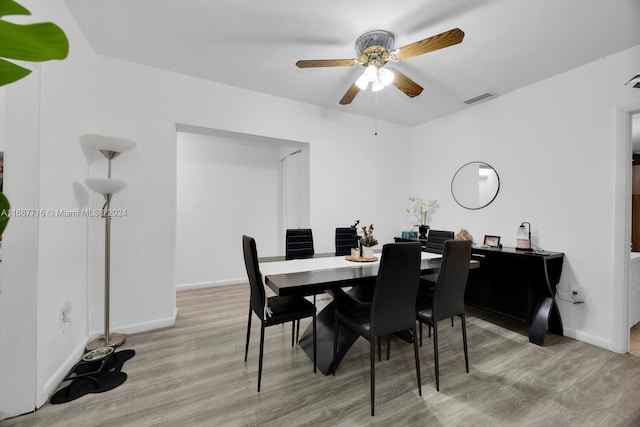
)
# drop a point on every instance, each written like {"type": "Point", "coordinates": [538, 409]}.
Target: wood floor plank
{"type": "Point", "coordinates": [193, 374]}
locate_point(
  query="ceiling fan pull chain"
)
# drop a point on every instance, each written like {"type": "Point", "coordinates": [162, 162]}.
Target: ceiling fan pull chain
{"type": "Point", "coordinates": [375, 111]}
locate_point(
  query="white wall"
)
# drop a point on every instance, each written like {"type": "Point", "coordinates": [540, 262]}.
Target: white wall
{"type": "Point", "coordinates": [145, 104]}
{"type": "Point", "coordinates": [224, 187]}
{"type": "Point", "coordinates": [554, 147]}
{"type": "Point", "coordinates": [44, 256]}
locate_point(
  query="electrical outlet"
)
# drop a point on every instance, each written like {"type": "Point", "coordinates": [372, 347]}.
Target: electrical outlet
{"type": "Point", "coordinates": [65, 314]}
{"type": "Point", "coordinates": [577, 296]}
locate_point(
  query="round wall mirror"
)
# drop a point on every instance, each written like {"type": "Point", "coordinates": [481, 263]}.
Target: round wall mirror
{"type": "Point", "coordinates": [475, 185]}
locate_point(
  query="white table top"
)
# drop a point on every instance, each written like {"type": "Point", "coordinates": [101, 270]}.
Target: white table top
{"type": "Point", "coordinates": [320, 263]}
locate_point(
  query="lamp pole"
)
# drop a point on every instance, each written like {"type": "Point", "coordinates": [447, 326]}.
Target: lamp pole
{"type": "Point", "coordinates": [108, 339]}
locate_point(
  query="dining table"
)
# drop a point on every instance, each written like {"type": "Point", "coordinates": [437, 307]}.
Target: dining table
{"type": "Point", "coordinates": [341, 277]}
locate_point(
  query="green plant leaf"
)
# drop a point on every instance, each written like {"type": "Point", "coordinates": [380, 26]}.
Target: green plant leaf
{"type": "Point", "coordinates": [10, 7]}
{"type": "Point", "coordinates": [4, 212]}
{"type": "Point", "coordinates": [10, 72]}
{"type": "Point", "coordinates": [27, 42]}
{"type": "Point", "coordinates": [33, 42]}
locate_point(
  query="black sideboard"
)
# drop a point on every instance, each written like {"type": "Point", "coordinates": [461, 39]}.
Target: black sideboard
{"type": "Point", "coordinates": [517, 284]}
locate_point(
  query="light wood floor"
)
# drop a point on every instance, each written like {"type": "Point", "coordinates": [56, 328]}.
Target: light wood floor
{"type": "Point", "coordinates": [634, 341]}
{"type": "Point", "coordinates": [194, 375]}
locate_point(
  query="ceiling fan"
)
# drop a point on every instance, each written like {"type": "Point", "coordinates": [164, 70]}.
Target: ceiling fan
{"type": "Point", "coordinates": [374, 50]}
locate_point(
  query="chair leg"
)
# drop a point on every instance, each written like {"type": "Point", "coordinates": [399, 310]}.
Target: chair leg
{"type": "Point", "coordinates": [452, 321]}
{"type": "Point", "coordinates": [315, 350]}
{"type": "Point", "coordinates": [261, 355]}
{"type": "Point", "coordinates": [298, 332]}
{"type": "Point", "coordinates": [246, 349]}
{"type": "Point", "coordinates": [435, 354]}
{"type": "Point", "coordinates": [373, 377]}
{"type": "Point", "coordinates": [379, 350]}
{"type": "Point", "coordinates": [415, 350]}
{"type": "Point", "coordinates": [389, 346]}
{"type": "Point", "coordinates": [464, 342]}
{"type": "Point", "coordinates": [420, 328]}
{"type": "Point", "coordinates": [335, 344]}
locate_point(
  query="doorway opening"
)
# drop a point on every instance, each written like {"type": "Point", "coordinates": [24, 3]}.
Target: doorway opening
{"type": "Point", "coordinates": [229, 184]}
{"type": "Point", "coordinates": [634, 262]}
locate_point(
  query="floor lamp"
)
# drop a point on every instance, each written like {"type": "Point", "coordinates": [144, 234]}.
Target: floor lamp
{"type": "Point", "coordinates": [110, 147]}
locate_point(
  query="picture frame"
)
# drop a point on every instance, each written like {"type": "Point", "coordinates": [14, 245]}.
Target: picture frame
{"type": "Point", "coordinates": [492, 241]}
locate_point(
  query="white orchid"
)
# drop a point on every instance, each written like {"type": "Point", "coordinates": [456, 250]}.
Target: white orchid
{"type": "Point", "coordinates": [423, 208]}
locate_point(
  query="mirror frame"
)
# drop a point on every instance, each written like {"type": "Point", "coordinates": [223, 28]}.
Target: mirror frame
{"type": "Point", "coordinates": [494, 196]}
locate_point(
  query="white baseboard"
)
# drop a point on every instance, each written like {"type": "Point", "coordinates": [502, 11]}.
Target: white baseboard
{"type": "Point", "coordinates": [588, 338]}
{"type": "Point", "coordinates": [201, 285]}
{"type": "Point", "coordinates": [142, 326]}
{"type": "Point", "coordinates": [52, 383]}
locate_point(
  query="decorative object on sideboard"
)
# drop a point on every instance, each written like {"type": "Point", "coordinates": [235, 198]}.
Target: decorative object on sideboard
{"type": "Point", "coordinates": [368, 241]}
{"type": "Point", "coordinates": [423, 230]}
{"type": "Point", "coordinates": [523, 239]}
{"type": "Point", "coordinates": [492, 241]}
{"type": "Point", "coordinates": [410, 235]}
{"type": "Point", "coordinates": [110, 147]}
{"type": "Point", "coordinates": [423, 210]}
{"type": "Point", "coordinates": [463, 234]}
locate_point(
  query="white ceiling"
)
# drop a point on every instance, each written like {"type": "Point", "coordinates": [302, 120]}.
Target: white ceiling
{"type": "Point", "coordinates": [254, 44]}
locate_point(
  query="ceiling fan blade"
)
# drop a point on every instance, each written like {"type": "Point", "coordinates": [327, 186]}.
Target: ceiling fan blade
{"type": "Point", "coordinates": [405, 84]}
{"type": "Point", "coordinates": [350, 94]}
{"type": "Point", "coordinates": [439, 41]}
{"type": "Point", "coordinates": [312, 63]}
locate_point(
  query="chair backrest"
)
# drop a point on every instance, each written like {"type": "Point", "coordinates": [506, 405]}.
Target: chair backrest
{"type": "Point", "coordinates": [346, 239]}
{"type": "Point", "coordinates": [394, 297]}
{"type": "Point", "coordinates": [436, 239]}
{"type": "Point", "coordinates": [258, 296]}
{"type": "Point", "coordinates": [448, 295]}
{"type": "Point", "coordinates": [299, 243]}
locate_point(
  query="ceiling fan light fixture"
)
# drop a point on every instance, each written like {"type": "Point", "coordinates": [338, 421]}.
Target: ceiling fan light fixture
{"type": "Point", "coordinates": [375, 49]}
{"type": "Point", "coordinates": [385, 76]}
{"type": "Point", "coordinates": [378, 76]}
{"type": "Point", "coordinates": [376, 85]}
{"type": "Point", "coordinates": [371, 72]}
{"type": "Point", "coordinates": [363, 81]}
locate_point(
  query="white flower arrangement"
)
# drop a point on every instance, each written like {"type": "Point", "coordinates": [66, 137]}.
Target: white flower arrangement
{"type": "Point", "coordinates": [422, 209]}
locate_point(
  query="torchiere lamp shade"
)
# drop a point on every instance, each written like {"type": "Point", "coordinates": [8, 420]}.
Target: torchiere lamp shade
{"type": "Point", "coordinates": [108, 143]}
{"type": "Point", "coordinates": [105, 185]}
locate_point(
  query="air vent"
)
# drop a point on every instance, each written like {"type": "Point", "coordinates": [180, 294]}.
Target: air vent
{"type": "Point", "coordinates": [478, 98]}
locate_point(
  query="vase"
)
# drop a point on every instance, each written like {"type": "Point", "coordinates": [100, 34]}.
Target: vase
{"type": "Point", "coordinates": [423, 229]}
{"type": "Point", "coordinates": [367, 252]}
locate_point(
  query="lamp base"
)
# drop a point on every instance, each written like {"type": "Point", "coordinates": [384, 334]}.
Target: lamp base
{"type": "Point", "coordinates": [115, 340]}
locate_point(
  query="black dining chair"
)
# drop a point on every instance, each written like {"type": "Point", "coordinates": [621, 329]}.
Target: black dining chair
{"type": "Point", "coordinates": [346, 239]}
{"type": "Point", "coordinates": [299, 243]}
{"type": "Point", "coordinates": [393, 307]}
{"type": "Point", "coordinates": [434, 244]}
{"type": "Point", "coordinates": [435, 240]}
{"type": "Point", "coordinates": [447, 299]}
{"type": "Point", "coordinates": [274, 310]}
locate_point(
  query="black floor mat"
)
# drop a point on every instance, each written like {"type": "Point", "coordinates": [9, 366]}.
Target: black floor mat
{"type": "Point", "coordinates": [109, 377]}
